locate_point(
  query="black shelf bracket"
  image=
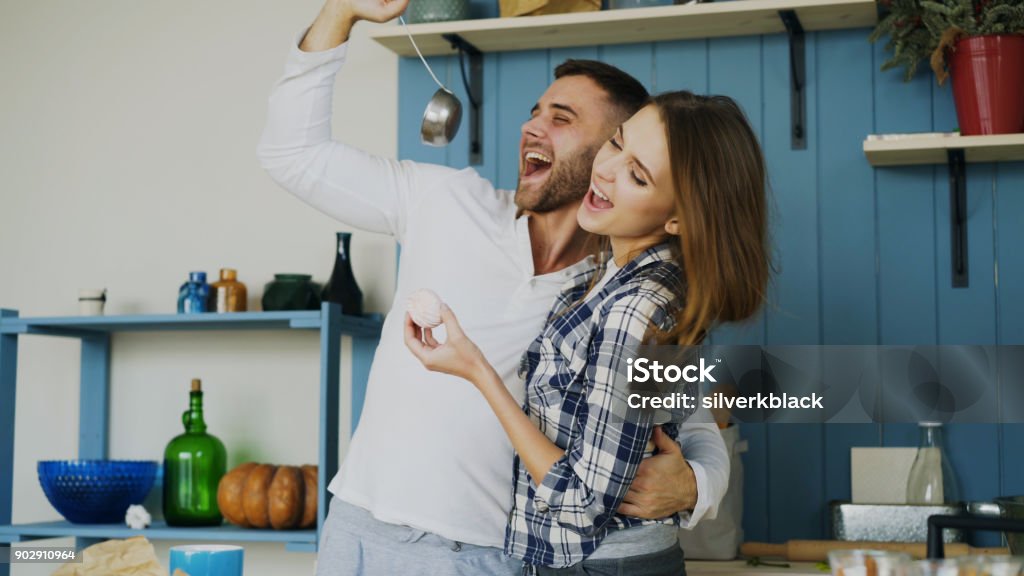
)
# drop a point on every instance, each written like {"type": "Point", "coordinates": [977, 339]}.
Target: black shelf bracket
{"type": "Point", "coordinates": [958, 216]}
{"type": "Point", "coordinates": [474, 86]}
{"type": "Point", "coordinates": [797, 78]}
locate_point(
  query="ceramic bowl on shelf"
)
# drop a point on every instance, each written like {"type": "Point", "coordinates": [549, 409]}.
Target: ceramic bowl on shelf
{"type": "Point", "coordinates": [421, 11]}
{"type": "Point", "coordinates": [95, 491]}
{"type": "Point", "coordinates": [291, 292]}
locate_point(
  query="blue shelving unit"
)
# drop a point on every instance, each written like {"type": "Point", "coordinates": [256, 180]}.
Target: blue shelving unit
{"type": "Point", "coordinates": [94, 333]}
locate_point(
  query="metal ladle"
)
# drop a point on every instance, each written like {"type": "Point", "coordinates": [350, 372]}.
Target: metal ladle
{"type": "Point", "coordinates": [443, 114]}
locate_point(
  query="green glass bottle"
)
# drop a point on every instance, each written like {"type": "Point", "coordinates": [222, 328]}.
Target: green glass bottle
{"type": "Point", "coordinates": [194, 463]}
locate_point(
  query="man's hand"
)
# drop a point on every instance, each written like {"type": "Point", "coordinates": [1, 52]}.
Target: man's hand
{"type": "Point", "coordinates": [334, 23]}
{"type": "Point", "coordinates": [664, 483]}
{"type": "Point", "coordinates": [377, 10]}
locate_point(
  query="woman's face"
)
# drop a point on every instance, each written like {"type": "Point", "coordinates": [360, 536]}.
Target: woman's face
{"type": "Point", "coordinates": [630, 198]}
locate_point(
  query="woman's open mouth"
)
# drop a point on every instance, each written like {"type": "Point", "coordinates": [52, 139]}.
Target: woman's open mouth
{"type": "Point", "coordinates": [595, 200]}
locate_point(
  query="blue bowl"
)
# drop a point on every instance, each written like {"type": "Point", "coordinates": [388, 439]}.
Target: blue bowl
{"type": "Point", "coordinates": [96, 491]}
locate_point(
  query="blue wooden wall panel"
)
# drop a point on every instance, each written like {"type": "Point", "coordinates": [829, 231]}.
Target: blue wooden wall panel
{"type": "Point", "coordinates": [680, 65]}
{"type": "Point", "coordinates": [1009, 240]}
{"type": "Point", "coordinates": [943, 109]}
{"type": "Point", "coordinates": [489, 116]}
{"type": "Point", "coordinates": [734, 69]}
{"type": "Point", "coordinates": [968, 315]}
{"type": "Point", "coordinates": [457, 153]}
{"type": "Point", "coordinates": [793, 317]}
{"type": "Point", "coordinates": [846, 191]}
{"type": "Point", "coordinates": [863, 252]}
{"type": "Point", "coordinates": [415, 87]}
{"type": "Point", "coordinates": [849, 305]}
{"type": "Point", "coordinates": [483, 9]}
{"type": "Point", "coordinates": [906, 227]}
{"type": "Point", "coordinates": [906, 217]}
{"type": "Point", "coordinates": [1011, 465]}
{"type": "Point", "coordinates": [636, 59]}
{"type": "Point", "coordinates": [796, 472]}
{"type": "Point", "coordinates": [523, 77]}
{"type": "Point", "coordinates": [560, 55]}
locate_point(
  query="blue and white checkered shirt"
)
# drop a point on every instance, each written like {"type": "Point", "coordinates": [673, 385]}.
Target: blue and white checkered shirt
{"type": "Point", "coordinates": [577, 396]}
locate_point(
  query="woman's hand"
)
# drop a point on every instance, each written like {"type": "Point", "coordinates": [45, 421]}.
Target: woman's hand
{"type": "Point", "coordinates": [457, 355]}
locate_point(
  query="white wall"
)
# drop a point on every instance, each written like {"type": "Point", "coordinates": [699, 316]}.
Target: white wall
{"type": "Point", "coordinates": [127, 158]}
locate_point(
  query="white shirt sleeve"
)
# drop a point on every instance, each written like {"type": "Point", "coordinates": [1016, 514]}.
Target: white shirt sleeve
{"type": "Point", "coordinates": [362, 190]}
{"type": "Point", "coordinates": [704, 448]}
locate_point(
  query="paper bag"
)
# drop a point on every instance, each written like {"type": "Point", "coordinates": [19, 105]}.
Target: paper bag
{"type": "Point", "coordinates": [132, 557]}
{"type": "Point", "coordinates": [538, 7]}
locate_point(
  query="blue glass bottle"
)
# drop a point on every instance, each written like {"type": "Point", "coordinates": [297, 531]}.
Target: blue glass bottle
{"type": "Point", "coordinates": [194, 294]}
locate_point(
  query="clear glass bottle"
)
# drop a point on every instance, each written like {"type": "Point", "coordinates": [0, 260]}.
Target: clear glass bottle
{"type": "Point", "coordinates": [932, 479]}
{"type": "Point", "coordinates": [194, 463]}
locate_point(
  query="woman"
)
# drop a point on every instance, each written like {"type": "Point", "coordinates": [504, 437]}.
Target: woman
{"type": "Point", "coordinates": [678, 197]}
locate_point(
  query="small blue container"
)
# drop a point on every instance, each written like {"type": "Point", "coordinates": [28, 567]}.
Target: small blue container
{"type": "Point", "coordinates": [194, 295]}
{"type": "Point", "coordinates": [207, 559]}
{"type": "Point", "coordinates": [95, 491]}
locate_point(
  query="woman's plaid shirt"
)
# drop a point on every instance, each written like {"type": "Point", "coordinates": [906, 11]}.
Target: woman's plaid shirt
{"type": "Point", "coordinates": [576, 394]}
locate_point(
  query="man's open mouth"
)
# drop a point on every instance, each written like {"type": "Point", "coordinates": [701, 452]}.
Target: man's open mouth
{"type": "Point", "coordinates": [535, 163]}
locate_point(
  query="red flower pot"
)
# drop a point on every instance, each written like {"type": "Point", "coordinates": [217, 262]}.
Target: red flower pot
{"type": "Point", "coordinates": [988, 84]}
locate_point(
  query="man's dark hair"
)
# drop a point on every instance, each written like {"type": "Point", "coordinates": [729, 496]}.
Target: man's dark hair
{"type": "Point", "coordinates": [623, 90]}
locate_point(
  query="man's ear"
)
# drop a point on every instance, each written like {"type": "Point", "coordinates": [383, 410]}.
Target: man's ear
{"type": "Point", "coordinates": [672, 226]}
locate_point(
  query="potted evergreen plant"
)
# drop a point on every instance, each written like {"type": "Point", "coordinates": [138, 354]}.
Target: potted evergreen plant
{"type": "Point", "coordinates": [979, 43]}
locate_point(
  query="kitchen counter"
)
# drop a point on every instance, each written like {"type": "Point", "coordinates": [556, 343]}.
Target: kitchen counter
{"type": "Point", "coordinates": [740, 568]}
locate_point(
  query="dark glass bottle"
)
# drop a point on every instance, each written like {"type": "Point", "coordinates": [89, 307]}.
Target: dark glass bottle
{"type": "Point", "coordinates": [194, 463]}
{"type": "Point", "coordinates": [342, 287]}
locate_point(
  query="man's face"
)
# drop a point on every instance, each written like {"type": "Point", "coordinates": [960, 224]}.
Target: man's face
{"type": "Point", "coordinates": [556, 152]}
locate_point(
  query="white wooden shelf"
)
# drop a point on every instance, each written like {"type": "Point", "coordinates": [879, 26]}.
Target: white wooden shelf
{"type": "Point", "coordinates": [933, 149]}
{"type": "Point", "coordinates": [708, 20]}
{"type": "Point", "coordinates": [955, 151]}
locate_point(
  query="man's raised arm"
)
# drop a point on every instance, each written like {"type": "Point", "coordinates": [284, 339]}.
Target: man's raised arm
{"type": "Point", "coordinates": [297, 150]}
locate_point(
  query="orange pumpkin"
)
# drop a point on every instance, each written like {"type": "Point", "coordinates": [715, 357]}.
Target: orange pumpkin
{"type": "Point", "coordinates": [266, 496]}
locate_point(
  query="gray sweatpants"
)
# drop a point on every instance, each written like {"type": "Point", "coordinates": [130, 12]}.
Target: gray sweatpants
{"type": "Point", "coordinates": [354, 543]}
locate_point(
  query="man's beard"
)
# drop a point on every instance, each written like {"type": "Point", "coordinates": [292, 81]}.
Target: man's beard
{"type": "Point", "coordinates": [567, 183]}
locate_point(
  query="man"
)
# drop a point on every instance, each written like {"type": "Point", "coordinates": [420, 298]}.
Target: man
{"type": "Point", "coordinates": [426, 485]}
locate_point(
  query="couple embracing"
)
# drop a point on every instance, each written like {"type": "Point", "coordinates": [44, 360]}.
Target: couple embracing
{"type": "Point", "coordinates": [501, 442]}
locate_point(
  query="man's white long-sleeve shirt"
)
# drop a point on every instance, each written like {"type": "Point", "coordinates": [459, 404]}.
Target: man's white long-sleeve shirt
{"type": "Point", "coordinates": [428, 452]}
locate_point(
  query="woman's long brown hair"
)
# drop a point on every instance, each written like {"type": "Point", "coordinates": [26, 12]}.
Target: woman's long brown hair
{"type": "Point", "coordinates": [719, 178]}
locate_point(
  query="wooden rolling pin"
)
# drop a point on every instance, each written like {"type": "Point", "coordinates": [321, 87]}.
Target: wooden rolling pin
{"type": "Point", "coordinates": [817, 550]}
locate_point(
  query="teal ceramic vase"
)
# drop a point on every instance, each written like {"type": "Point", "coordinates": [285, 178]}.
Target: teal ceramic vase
{"type": "Point", "coordinates": [437, 10]}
